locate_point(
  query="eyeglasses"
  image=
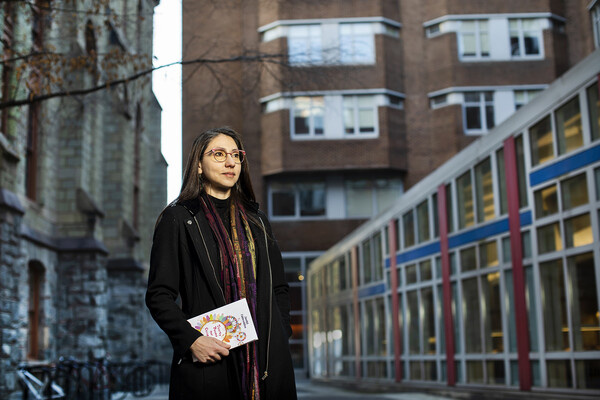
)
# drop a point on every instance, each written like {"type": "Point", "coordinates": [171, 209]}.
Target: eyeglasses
{"type": "Point", "coordinates": [220, 155]}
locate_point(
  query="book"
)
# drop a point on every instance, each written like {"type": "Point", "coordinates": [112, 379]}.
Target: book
{"type": "Point", "coordinates": [231, 324]}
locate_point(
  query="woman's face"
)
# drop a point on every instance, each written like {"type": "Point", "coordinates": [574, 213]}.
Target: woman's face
{"type": "Point", "coordinates": [219, 177]}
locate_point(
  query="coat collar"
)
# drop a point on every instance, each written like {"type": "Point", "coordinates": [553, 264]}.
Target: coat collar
{"type": "Point", "coordinates": [193, 205]}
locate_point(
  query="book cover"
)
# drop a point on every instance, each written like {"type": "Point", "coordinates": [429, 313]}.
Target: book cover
{"type": "Point", "coordinates": [231, 323]}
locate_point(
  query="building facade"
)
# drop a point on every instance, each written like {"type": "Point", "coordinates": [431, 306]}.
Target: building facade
{"type": "Point", "coordinates": [82, 179]}
{"type": "Point", "coordinates": [484, 275]}
{"type": "Point", "coordinates": [346, 104]}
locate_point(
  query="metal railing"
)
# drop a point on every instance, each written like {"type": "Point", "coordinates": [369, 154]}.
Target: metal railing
{"type": "Point", "coordinates": [98, 379]}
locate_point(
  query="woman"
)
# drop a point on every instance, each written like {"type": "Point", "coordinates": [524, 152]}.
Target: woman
{"type": "Point", "coordinates": [213, 246]}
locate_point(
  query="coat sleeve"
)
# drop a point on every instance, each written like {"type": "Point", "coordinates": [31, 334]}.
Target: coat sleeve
{"type": "Point", "coordinates": [280, 286]}
{"type": "Point", "coordinates": [163, 283]}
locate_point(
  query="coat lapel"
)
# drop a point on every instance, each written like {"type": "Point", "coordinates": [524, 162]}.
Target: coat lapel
{"type": "Point", "coordinates": [206, 249]}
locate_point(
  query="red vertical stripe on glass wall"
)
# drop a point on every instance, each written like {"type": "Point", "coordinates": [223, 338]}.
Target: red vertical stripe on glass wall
{"type": "Point", "coordinates": [392, 239]}
{"type": "Point", "coordinates": [354, 265]}
{"type": "Point", "coordinates": [447, 292]}
{"type": "Point", "coordinates": [516, 249]}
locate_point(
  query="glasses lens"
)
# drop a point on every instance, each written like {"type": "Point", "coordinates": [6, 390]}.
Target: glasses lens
{"type": "Point", "coordinates": [219, 155]}
{"type": "Point", "coordinates": [238, 156]}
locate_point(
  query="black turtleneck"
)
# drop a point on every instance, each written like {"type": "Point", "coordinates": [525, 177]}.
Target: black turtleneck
{"type": "Point", "coordinates": [222, 206]}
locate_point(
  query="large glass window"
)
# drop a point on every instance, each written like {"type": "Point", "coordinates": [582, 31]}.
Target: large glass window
{"type": "Point", "coordinates": [359, 115]}
{"type": "Point", "coordinates": [357, 45]}
{"type": "Point", "coordinates": [484, 189]}
{"type": "Point", "coordinates": [554, 305]}
{"type": "Point", "coordinates": [594, 104]}
{"type": "Point", "coordinates": [478, 111]}
{"type": "Point", "coordinates": [472, 316]}
{"type": "Point", "coordinates": [423, 221]}
{"type": "Point", "coordinates": [578, 231]}
{"type": "Point", "coordinates": [525, 37]}
{"type": "Point", "coordinates": [304, 44]}
{"type": "Point", "coordinates": [549, 238]}
{"type": "Point", "coordinates": [428, 321]}
{"type": "Point", "coordinates": [298, 200]}
{"type": "Point", "coordinates": [501, 181]}
{"type": "Point", "coordinates": [308, 116]}
{"type": "Point", "coordinates": [365, 198]}
{"type": "Point", "coordinates": [464, 194]}
{"type": "Point", "coordinates": [542, 141]}
{"type": "Point", "coordinates": [586, 324]}
{"type": "Point", "coordinates": [568, 127]}
{"type": "Point", "coordinates": [494, 337]}
{"type": "Point", "coordinates": [412, 323]}
{"type": "Point", "coordinates": [473, 39]}
{"type": "Point", "coordinates": [546, 201]}
{"type": "Point", "coordinates": [574, 192]}
{"type": "Point", "coordinates": [408, 224]}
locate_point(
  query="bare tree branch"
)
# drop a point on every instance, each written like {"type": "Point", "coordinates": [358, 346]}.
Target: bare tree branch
{"type": "Point", "coordinates": [259, 58]}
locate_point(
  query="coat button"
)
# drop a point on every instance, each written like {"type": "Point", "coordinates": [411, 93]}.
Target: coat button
{"type": "Point", "coordinates": [189, 221]}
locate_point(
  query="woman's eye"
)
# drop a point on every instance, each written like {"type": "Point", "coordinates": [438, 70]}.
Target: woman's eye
{"type": "Point", "coordinates": [219, 154]}
{"type": "Point", "coordinates": [235, 155]}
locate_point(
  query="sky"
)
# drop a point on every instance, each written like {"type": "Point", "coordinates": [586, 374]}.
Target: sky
{"type": "Point", "coordinates": [166, 83]}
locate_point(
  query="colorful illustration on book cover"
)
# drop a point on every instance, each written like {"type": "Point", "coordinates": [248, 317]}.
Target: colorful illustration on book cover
{"type": "Point", "coordinates": [220, 326]}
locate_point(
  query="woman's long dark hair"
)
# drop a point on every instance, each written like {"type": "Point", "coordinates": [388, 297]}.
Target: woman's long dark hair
{"type": "Point", "coordinates": [191, 186]}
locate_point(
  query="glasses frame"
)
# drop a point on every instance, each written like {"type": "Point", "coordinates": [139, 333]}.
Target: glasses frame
{"type": "Point", "coordinates": [243, 152]}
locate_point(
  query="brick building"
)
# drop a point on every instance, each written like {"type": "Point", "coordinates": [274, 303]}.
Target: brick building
{"type": "Point", "coordinates": [346, 104]}
{"type": "Point", "coordinates": [82, 179]}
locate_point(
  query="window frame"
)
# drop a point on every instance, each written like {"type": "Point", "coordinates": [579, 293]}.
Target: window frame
{"type": "Point", "coordinates": [520, 35]}
{"type": "Point", "coordinates": [477, 32]}
{"type": "Point", "coordinates": [483, 105]}
{"type": "Point", "coordinates": [296, 187]}
{"type": "Point", "coordinates": [312, 110]}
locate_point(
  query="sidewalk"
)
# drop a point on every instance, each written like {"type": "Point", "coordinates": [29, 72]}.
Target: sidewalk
{"type": "Point", "coordinates": [319, 391]}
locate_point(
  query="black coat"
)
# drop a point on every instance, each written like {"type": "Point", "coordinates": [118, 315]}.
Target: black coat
{"type": "Point", "coordinates": [183, 250]}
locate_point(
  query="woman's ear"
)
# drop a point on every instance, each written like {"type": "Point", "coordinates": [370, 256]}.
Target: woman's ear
{"type": "Point", "coordinates": [199, 168]}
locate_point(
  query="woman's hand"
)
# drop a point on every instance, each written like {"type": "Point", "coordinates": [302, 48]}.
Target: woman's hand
{"type": "Point", "coordinates": [207, 349]}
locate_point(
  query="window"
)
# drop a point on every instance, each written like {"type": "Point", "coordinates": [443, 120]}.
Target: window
{"type": "Point", "coordinates": [304, 44]}
{"type": "Point", "coordinates": [574, 192]}
{"type": "Point", "coordinates": [464, 197]}
{"type": "Point", "coordinates": [478, 111]}
{"type": "Point", "coordinates": [359, 115]}
{"type": "Point", "coordinates": [484, 190]}
{"type": "Point", "coordinates": [357, 44]}
{"type": "Point", "coordinates": [473, 39]}
{"type": "Point", "coordinates": [578, 231]}
{"type": "Point", "coordinates": [372, 259]}
{"type": "Point", "coordinates": [501, 173]}
{"type": "Point", "coordinates": [525, 37]}
{"type": "Point", "coordinates": [365, 198]}
{"type": "Point", "coordinates": [595, 14]}
{"type": "Point", "coordinates": [594, 106]}
{"type": "Point", "coordinates": [542, 142]}
{"type": "Point", "coordinates": [546, 201]}
{"type": "Point", "coordinates": [298, 200]}
{"type": "Point", "coordinates": [523, 97]}
{"type": "Point", "coordinates": [408, 225]}
{"type": "Point", "coordinates": [568, 127]}
{"type": "Point", "coordinates": [308, 116]}
{"type": "Point", "coordinates": [423, 222]}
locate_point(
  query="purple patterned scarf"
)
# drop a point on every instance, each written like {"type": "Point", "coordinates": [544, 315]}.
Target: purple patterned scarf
{"type": "Point", "coordinates": [238, 275]}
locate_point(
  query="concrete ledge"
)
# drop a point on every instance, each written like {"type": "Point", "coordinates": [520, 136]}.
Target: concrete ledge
{"type": "Point", "coordinates": [11, 201]}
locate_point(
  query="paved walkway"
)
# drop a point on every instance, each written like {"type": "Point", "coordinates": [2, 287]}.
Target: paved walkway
{"type": "Point", "coordinates": [321, 391]}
